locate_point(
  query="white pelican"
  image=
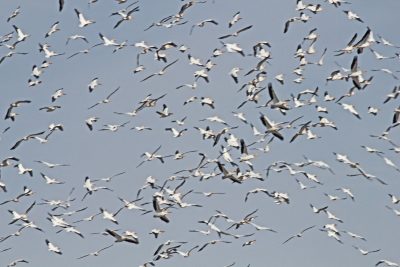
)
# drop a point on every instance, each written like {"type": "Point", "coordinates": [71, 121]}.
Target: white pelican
{"type": "Point", "coordinates": [82, 21]}
{"type": "Point", "coordinates": [299, 234]}
{"type": "Point", "coordinates": [53, 248]}
{"type": "Point", "coordinates": [96, 253]}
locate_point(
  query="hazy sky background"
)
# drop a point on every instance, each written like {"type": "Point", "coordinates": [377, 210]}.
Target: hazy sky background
{"type": "Point", "coordinates": [99, 154]}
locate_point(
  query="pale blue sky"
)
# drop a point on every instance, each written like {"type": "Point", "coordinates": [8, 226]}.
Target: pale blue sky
{"type": "Point", "coordinates": [99, 153]}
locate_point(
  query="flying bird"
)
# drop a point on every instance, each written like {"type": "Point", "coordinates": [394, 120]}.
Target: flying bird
{"type": "Point", "coordinates": [202, 23]}
{"type": "Point", "coordinates": [82, 21]}
{"type": "Point", "coordinates": [15, 13]}
{"type": "Point", "coordinates": [26, 138]}
{"type": "Point", "coordinates": [236, 17]}
{"type": "Point", "coordinates": [60, 5]}
{"type": "Point", "coordinates": [299, 234]}
{"type": "Point", "coordinates": [107, 99]}
{"type": "Point", "coordinates": [96, 253]}
{"type": "Point", "coordinates": [161, 72]}
{"type": "Point", "coordinates": [271, 127]}
{"type": "Point", "coordinates": [125, 15]}
{"type": "Point", "coordinates": [235, 34]}
{"type": "Point", "coordinates": [54, 28]}
{"type": "Point", "coordinates": [53, 248]}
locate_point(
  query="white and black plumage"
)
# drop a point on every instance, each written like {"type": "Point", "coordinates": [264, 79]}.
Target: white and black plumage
{"type": "Point", "coordinates": [96, 253]}
{"type": "Point", "coordinates": [356, 74]}
{"type": "Point", "coordinates": [175, 132]}
{"type": "Point", "coordinates": [255, 191]}
{"type": "Point", "coordinates": [187, 253]}
{"type": "Point", "coordinates": [91, 187]}
{"type": "Point", "coordinates": [233, 48]}
{"type": "Point", "coordinates": [349, 47]}
{"type": "Point", "coordinates": [109, 178]}
{"type": "Point", "coordinates": [54, 28]}
{"type": "Point", "coordinates": [8, 161]}
{"type": "Point", "coordinates": [156, 232]}
{"type": "Point", "coordinates": [236, 17]}
{"type": "Point", "coordinates": [151, 156]}
{"type": "Point", "coordinates": [299, 234]}
{"type": "Point", "coordinates": [352, 16]}
{"type": "Point", "coordinates": [9, 114]}
{"type": "Point", "coordinates": [36, 71]}
{"type": "Point", "coordinates": [23, 216]}
{"type": "Point", "coordinates": [130, 205]}
{"type": "Point", "coordinates": [303, 17]}
{"type": "Point", "coordinates": [203, 73]}
{"type": "Point", "coordinates": [207, 101]}
{"type": "Point", "coordinates": [10, 54]}
{"type": "Point", "coordinates": [47, 52]}
{"type": "Point", "coordinates": [15, 262]}
{"type": "Point", "coordinates": [82, 21]}
{"type": "Point", "coordinates": [23, 170]}
{"type": "Point", "coordinates": [366, 252]}
{"type": "Point", "coordinates": [125, 15]}
{"type": "Point", "coordinates": [54, 127]}
{"type": "Point", "coordinates": [149, 102]}
{"type": "Point", "coordinates": [15, 13]}
{"type": "Point", "coordinates": [110, 216]}
{"type": "Point", "coordinates": [3, 187]}
{"type": "Point", "coordinates": [159, 212]}
{"type": "Point", "coordinates": [337, 3]}
{"type": "Point", "coordinates": [161, 72]}
{"type": "Point", "coordinates": [86, 51]}
{"type": "Point", "coordinates": [231, 175]}
{"type": "Point", "coordinates": [26, 138]}
{"type": "Point", "coordinates": [93, 84]}
{"type": "Point", "coordinates": [318, 210]}
{"type": "Point", "coordinates": [51, 165]}
{"type": "Point", "coordinates": [106, 100]}
{"type": "Point", "coordinates": [76, 37]}
{"type": "Point", "coordinates": [234, 74]}
{"type": "Point", "coordinates": [303, 130]}
{"type": "Point", "coordinates": [50, 108]}
{"type": "Point", "coordinates": [202, 23]}
{"type": "Point", "coordinates": [21, 35]}
{"type": "Point", "coordinates": [106, 41]}
{"type": "Point", "coordinates": [235, 34]}
{"type": "Point", "coordinates": [213, 242]}
{"type": "Point", "coordinates": [271, 127]}
{"type": "Point", "coordinates": [53, 248]}
{"type": "Point", "coordinates": [366, 40]}
{"type": "Point", "coordinates": [351, 109]}
{"type": "Point", "coordinates": [392, 95]}
{"type": "Point", "coordinates": [274, 102]}
{"type": "Point", "coordinates": [387, 263]}
{"type": "Point", "coordinates": [26, 192]}
{"type": "Point", "coordinates": [194, 61]}
{"type": "Point", "coordinates": [396, 116]}
{"type": "Point", "coordinates": [50, 180]}
{"type": "Point", "coordinates": [164, 112]}
{"type": "Point", "coordinates": [113, 127]}
{"type": "Point", "coordinates": [57, 94]}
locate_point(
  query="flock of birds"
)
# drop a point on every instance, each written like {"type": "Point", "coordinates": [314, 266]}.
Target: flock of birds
{"type": "Point", "coordinates": [227, 147]}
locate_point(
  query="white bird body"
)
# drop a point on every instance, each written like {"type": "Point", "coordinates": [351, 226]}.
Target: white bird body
{"type": "Point", "coordinates": [21, 35]}
{"type": "Point", "coordinates": [388, 263]}
{"type": "Point", "coordinates": [352, 16]}
{"type": "Point", "coordinates": [233, 48]}
{"type": "Point", "coordinates": [23, 170]}
{"type": "Point", "coordinates": [352, 109]}
{"type": "Point", "coordinates": [53, 248]}
{"type": "Point", "coordinates": [83, 22]}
